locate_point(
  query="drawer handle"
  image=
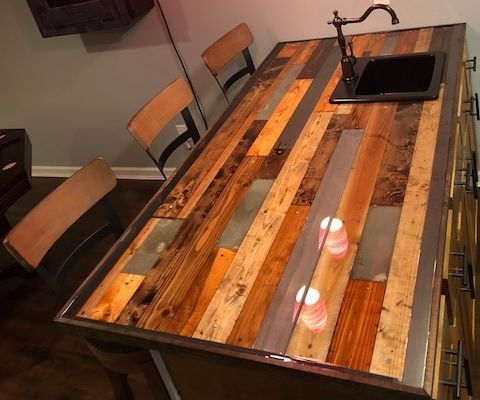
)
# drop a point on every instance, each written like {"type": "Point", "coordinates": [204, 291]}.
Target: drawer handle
{"type": "Point", "coordinates": [466, 273]}
{"type": "Point", "coordinates": [468, 177]}
{"type": "Point", "coordinates": [474, 107]}
{"type": "Point", "coordinates": [474, 175]}
{"type": "Point", "coordinates": [461, 364]}
{"type": "Point", "coordinates": [471, 64]}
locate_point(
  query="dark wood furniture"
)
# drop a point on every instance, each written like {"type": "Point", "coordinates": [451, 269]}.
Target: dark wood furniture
{"type": "Point", "coordinates": [213, 272]}
{"type": "Point", "coordinates": [224, 50]}
{"type": "Point", "coordinates": [148, 123]}
{"type": "Point", "coordinates": [15, 170]}
{"type": "Point", "coordinates": [64, 17]}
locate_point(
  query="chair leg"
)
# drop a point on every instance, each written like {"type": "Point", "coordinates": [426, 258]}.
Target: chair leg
{"type": "Point", "coordinates": [119, 383]}
{"type": "Point", "coordinates": [155, 381]}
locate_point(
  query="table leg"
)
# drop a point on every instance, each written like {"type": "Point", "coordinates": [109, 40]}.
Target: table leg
{"type": "Point", "coordinates": [10, 268]}
{"type": "Point", "coordinates": [4, 226]}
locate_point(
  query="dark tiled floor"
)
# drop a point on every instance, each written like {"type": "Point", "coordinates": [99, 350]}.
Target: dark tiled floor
{"type": "Point", "coordinates": [37, 360]}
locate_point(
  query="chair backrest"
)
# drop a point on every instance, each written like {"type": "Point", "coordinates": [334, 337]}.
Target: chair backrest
{"type": "Point", "coordinates": [38, 231]}
{"type": "Point", "coordinates": [158, 112]}
{"type": "Point", "coordinates": [225, 49]}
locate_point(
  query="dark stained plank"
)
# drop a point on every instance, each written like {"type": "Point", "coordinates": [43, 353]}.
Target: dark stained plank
{"type": "Point", "coordinates": [273, 164]}
{"type": "Point", "coordinates": [179, 276]}
{"type": "Point", "coordinates": [354, 337]}
{"type": "Point", "coordinates": [393, 176]}
{"type": "Point", "coordinates": [440, 41]}
{"type": "Point", "coordinates": [316, 170]}
{"type": "Point", "coordinates": [248, 323]}
{"type": "Point", "coordinates": [316, 60]}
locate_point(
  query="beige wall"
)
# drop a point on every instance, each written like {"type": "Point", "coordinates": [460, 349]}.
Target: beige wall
{"type": "Point", "coordinates": [74, 94]}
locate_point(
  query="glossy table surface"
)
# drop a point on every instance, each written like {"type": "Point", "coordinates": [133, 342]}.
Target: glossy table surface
{"type": "Point", "coordinates": [235, 250]}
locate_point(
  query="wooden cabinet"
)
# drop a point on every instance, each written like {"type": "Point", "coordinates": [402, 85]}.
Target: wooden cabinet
{"type": "Point", "coordinates": [456, 330]}
{"type": "Point", "coordinates": [63, 17]}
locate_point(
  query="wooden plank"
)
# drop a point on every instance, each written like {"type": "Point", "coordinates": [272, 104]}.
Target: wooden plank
{"type": "Point", "coordinates": [144, 295]}
{"type": "Point", "coordinates": [177, 279]}
{"type": "Point", "coordinates": [316, 60]}
{"type": "Point", "coordinates": [312, 45]}
{"type": "Point", "coordinates": [318, 166]}
{"type": "Point", "coordinates": [331, 277]}
{"type": "Point", "coordinates": [277, 96]}
{"type": "Point", "coordinates": [376, 244]}
{"type": "Point", "coordinates": [440, 41]}
{"type": "Point", "coordinates": [238, 226]}
{"type": "Point", "coordinates": [116, 297]}
{"type": "Point", "coordinates": [354, 337]}
{"type": "Point", "coordinates": [389, 44]}
{"type": "Point", "coordinates": [273, 164]}
{"type": "Point", "coordinates": [266, 139]}
{"type": "Point", "coordinates": [390, 347]}
{"type": "Point", "coordinates": [289, 50]}
{"type": "Point", "coordinates": [406, 42]}
{"type": "Point", "coordinates": [248, 323]}
{"type": "Point", "coordinates": [278, 324]}
{"type": "Point", "coordinates": [423, 41]}
{"type": "Point", "coordinates": [117, 268]}
{"type": "Point", "coordinates": [296, 123]}
{"type": "Point", "coordinates": [192, 308]}
{"type": "Point", "coordinates": [323, 104]}
{"type": "Point", "coordinates": [220, 316]}
{"type": "Point", "coordinates": [199, 175]}
{"type": "Point", "coordinates": [220, 180]}
{"type": "Point", "coordinates": [392, 178]}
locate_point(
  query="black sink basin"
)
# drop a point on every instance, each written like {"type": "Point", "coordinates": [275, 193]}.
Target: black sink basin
{"type": "Point", "coordinates": [393, 78]}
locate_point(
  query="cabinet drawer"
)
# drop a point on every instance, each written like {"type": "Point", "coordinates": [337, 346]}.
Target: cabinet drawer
{"type": "Point", "coordinates": [452, 375]}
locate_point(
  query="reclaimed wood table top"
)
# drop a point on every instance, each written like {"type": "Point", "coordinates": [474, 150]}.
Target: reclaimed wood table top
{"type": "Point", "coordinates": [298, 226]}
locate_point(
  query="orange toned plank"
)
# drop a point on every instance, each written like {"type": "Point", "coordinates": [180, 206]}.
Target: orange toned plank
{"type": "Point", "coordinates": [117, 268]}
{"type": "Point", "coordinates": [307, 52]}
{"type": "Point", "coordinates": [289, 50]}
{"type": "Point", "coordinates": [406, 42]}
{"type": "Point", "coordinates": [176, 280]}
{"type": "Point", "coordinates": [248, 323]}
{"type": "Point", "coordinates": [190, 312]}
{"type": "Point", "coordinates": [423, 41]}
{"type": "Point", "coordinates": [331, 276]}
{"type": "Point", "coordinates": [116, 297]}
{"type": "Point", "coordinates": [359, 43]}
{"type": "Point", "coordinates": [279, 119]}
{"type": "Point", "coordinates": [189, 198]}
{"type": "Point", "coordinates": [390, 346]}
{"type": "Point", "coordinates": [354, 337]}
{"type": "Point", "coordinates": [225, 307]}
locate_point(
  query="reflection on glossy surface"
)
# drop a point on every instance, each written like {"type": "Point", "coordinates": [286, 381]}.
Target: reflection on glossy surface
{"type": "Point", "coordinates": [314, 310]}
{"type": "Point", "coordinates": [337, 239]}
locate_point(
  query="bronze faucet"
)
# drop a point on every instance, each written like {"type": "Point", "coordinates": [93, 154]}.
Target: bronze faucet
{"type": "Point", "coordinates": [349, 60]}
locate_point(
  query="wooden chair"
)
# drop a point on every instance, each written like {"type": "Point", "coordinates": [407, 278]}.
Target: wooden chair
{"type": "Point", "coordinates": [31, 239]}
{"type": "Point", "coordinates": [147, 124]}
{"type": "Point", "coordinates": [224, 50]}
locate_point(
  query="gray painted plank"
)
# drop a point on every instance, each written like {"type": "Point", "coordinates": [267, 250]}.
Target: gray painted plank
{"type": "Point", "coordinates": [149, 252]}
{"type": "Point", "coordinates": [267, 111]}
{"type": "Point", "coordinates": [375, 250]}
{"type": "Point", "coordinates": [238, 226]}
{"type": "Point", "coordinates": [279, 322]}
{"type": "Point", "coordinates": [299, 118]}
{"type": "Point", "coordinates": [389, 44]}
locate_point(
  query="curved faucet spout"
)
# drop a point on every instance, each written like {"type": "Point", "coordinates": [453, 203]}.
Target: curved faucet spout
{"type": "Point", "coordinates": [349, 60]}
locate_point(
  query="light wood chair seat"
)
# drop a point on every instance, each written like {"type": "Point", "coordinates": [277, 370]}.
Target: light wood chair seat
{"type": "Point", "coordinates": [224, 50]}
{"type": "Point", "coordinates": [148, 123]}
{"type": "Point", "coordinates": [31, 239]}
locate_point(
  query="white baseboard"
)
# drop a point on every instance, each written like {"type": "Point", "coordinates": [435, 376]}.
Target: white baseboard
{"type": "Point", "coordinates": [120, 172]}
